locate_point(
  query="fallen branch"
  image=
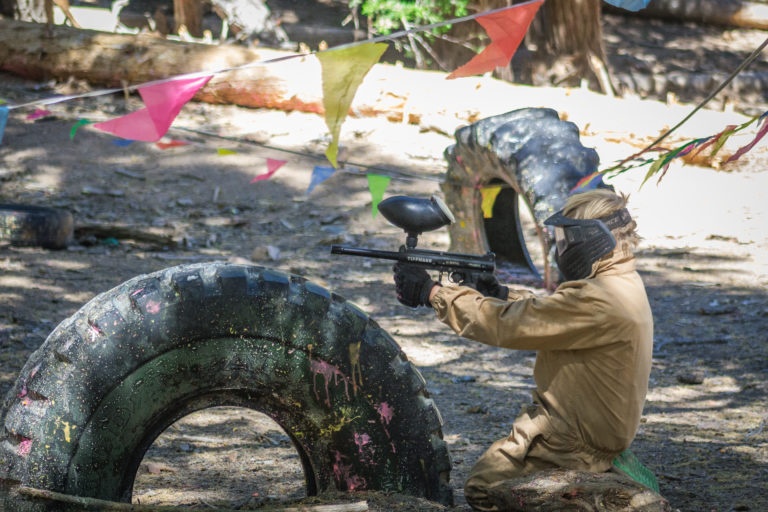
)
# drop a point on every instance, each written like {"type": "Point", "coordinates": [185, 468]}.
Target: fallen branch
{"type": "Point", "coordinates": [123, 232]}
{"type": "Point", "coordinates": [87, 503]}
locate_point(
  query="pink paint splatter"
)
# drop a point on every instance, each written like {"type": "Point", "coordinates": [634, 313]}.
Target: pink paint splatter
{"type": "Point", "coordinates": [328, 371]}
{"type": "Point", "coordinates": [152, 307]}
{"type": "Point", "coordinates": [23, 392]}
{"type": "Point", "coordinates": [94, 332]}
{"type": "Point", "coordinates": [364, 448]}
{"type": "Point", "coordinates": [386, 412]}
{"type": "Point", "coordinates": [341, 472]}
{"type": "Point", "coordinates": [25, 447]}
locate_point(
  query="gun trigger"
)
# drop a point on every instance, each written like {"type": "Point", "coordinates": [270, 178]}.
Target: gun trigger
{"type": "Point", "coordinates": [440, 277]}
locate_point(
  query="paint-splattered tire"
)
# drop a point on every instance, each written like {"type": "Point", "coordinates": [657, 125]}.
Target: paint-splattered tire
{"type": "Point", "coordinates": [35, 226]}
{"type": "Point", "coordinates": [108, 380]}
{"type": "Point", "coordinates": [537, 159]}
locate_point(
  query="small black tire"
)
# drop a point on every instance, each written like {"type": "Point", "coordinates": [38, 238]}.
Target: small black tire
{"type": "Point", "coordinates": [35, 226]}
{"type": "Point", "coordinates": [111, 378]}
{"type": "Point", "coordinates": [537, 159]}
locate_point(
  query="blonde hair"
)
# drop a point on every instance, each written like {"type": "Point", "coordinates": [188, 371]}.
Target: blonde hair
{"type": "Point", "coordinates": [594, 204]}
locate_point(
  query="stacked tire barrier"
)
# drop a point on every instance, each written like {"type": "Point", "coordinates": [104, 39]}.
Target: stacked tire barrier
{"type": "Point", "coordinates": [536, 158]}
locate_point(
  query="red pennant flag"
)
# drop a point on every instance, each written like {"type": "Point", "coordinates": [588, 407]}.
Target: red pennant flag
{"type": "Point", "coordinates": [171, 144]}
{"type": "Point", "coordinates": [272, 167]}
{"type": "Point", "coordinates": [506, 29]}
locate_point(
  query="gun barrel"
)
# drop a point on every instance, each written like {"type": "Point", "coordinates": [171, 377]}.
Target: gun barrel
{"type": "Point", "coordinates": [369, 253]}
{"type": "Point", "coordinates": [437, 260]}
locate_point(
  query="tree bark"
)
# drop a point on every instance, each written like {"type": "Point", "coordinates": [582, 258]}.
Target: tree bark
{"type": "Point", "coordinates": [188, 13]}
{"type": "Point", "coordinates": [568, 37]}
{"type": "Point", "coordinates": [729, 13]}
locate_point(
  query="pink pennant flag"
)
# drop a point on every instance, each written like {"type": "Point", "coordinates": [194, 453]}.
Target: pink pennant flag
{"type": "Point", "coordinates": [38, 113]}
{"type": "Point", "coordinates": [506, 29]}
{"type": "Point", "coordinates": [163, 103]}
{"type": "Point", "coordinates": [272, 167]}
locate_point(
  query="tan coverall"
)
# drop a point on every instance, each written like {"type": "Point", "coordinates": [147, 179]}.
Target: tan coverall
{"type": "Point", "coordinates": [594, 339]}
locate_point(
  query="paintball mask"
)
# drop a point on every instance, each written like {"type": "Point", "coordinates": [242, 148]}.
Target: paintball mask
{"type": "Point", "coordinates": [582, 242]}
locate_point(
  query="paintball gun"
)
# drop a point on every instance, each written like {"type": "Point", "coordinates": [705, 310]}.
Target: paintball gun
{"type": "Point", "coordinates": [416, 215]}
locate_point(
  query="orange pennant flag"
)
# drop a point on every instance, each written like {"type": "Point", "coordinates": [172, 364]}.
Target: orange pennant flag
{"type": "Point", "coordinates": [506, 29]}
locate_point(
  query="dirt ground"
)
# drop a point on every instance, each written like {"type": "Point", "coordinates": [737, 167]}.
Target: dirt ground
{"type": "Point", "coordinates": [704, 261]}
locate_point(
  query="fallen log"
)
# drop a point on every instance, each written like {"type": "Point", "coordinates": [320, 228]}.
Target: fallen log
{"type": "Point", "coordinates": [575, 491]}
{"type": "Point", "coordinates": [423, 98]}
{"type": "Point", "coordinates": [112, 60]}
{"type": "Point", "coordinates": [729, 13]}
{"type": "Point", "coordinates": [85, 503]}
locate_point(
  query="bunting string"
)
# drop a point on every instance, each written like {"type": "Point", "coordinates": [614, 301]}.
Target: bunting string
{"type": "Point", "coordinates": [343, 69]}
{"type": "Point", "coordinates": [202, 74]}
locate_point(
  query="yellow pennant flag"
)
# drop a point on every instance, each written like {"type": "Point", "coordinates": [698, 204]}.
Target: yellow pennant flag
{"type": "Point", "coordinates": [343, 71]}
{"type": "Point", "coordinates": [489, 197]}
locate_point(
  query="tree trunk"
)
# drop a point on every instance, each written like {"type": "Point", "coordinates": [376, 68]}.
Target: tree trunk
{"type": "Point", "coordinates": [188, 13]}
{"type": "Point", "coordinates": [568, 37]}
{"type": "Point", "coordinates": [31, 10]}
{"type": "Point", "coordinates": [565, 40]}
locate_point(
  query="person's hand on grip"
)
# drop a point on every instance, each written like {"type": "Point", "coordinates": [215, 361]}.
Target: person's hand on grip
{"type": "Point", "coordinates": [412, 284]}
{"type": "Point", "coordinates": [488, 285]}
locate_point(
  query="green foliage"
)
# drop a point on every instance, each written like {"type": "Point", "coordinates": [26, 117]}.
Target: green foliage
{"type": "Point", "coordinates": [386, 16]}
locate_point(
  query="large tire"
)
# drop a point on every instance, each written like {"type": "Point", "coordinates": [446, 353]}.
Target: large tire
{"type": "Point", "coordinates": [537, 159]}
{"type": "Point", "coordinates": [28, 226]}
{"type": "Point", "coordinates": [108, 380]}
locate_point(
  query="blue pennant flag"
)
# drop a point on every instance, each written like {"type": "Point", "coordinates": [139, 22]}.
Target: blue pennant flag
{"type": "Point", "coordinates": [3, 119]}
{"type": "Point", "coordinates": [122, 142]}
{"type": "Point", "coordinates": [630, 5]}
{"type": "Point", "coordinates": [319, 175]}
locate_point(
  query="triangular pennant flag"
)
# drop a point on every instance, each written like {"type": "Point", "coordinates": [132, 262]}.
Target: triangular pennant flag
{"type": "Point", "coordinates": [589, 182]}
{"type": "Point", "coordinates": [171, 144]}
{"type": "Point", "coordinates": [343, 71]}
{"type": "Point", "coordinates": [163, 103]}
{"type": "Point", "coordinates": [272, 167]}
{"type": "Point", "coordinates": [506, 29]}
{"type": "Point", "coordinates": [319, 175]}
{"type": "Point", "coordinates": [377, 184]}
{"type": "Point", "coordinates": [37, 114]}
{"type": "Point", "coordinates": [222, 152]}
{"type": "Point", "coordinates": [78, 124]}
{"type": "Point", "coordinates": [123, 142]}
{"type": "Point", "coordinates": [760, 134]}
{"type": "Point", "coordinates": [489, 197]}
{"type": "Point", "coordinates": [630, 5]}
{"type": "Point", "coordinates": [4, 111]}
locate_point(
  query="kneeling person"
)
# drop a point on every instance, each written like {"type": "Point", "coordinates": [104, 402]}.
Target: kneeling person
{"type": "Point", "coordinates": [593, 337]}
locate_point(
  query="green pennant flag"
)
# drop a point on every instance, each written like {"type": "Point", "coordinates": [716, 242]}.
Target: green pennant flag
{"type": "Point", "coordinates": [78, 124]}
{"type": "Point", "coordinates": [377, 184]}
{"type": "Point", "coordinates": [343, 72]}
